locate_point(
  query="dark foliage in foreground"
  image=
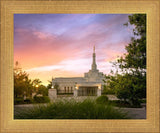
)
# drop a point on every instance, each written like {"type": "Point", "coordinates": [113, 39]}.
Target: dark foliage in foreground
{"type": "Point", "coordinates": [71, 109]}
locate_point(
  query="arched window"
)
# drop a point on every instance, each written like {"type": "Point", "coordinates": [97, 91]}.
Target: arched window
{"type": "Point", "coordinates": [68, 89]}
{"type": "Point", "coordinates": [71, 89]}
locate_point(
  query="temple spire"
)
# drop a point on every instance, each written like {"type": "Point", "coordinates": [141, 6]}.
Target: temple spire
{"type": "Point", "coordinates": [94, 49]}
{"type": "Point", "coordinates": [94, 66]}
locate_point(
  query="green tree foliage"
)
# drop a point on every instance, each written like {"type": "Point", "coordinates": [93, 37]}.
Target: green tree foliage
{"type": "Point", "coordinates": [22, 84]}
{"type": "Point", "coordinates": [56, 86]}
{"type": "Point", "coordinates": [25, 86]}
{"type": "Point", "coordinates": [130, 83]}
{"type": "Point", "coordinates": [39, 88]}
{"type": "Point", "coordinates": [36, 82]}
{"type": "Point", "coordinates": [49, 86]}
{"type": "Point", "coordinates": [43, 90]}
{"type": "Point", "coordinates": [135, 59]}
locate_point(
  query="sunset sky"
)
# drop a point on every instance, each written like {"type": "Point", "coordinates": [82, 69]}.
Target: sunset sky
{"type": "Point", "coordinates": [61, 45]}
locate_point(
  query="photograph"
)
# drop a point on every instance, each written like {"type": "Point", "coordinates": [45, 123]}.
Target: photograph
{"type": "Point", "coordinates": [79, 66]}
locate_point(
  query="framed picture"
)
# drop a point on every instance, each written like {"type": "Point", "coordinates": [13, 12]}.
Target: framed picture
{"type": "Point", "coordinates": [65, 16]}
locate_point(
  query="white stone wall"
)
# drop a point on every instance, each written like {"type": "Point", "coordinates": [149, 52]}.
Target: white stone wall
{"type": "Point", "coordinates": [52, 93]}
{"type": "Point", "coordinates": [99, 92]}
{"type": "Point", "coordinates": [90, 78]}
{"type": "Point", "coordinates": [67, 82]}
{"type": "Point", "coordinates": [67, 85]}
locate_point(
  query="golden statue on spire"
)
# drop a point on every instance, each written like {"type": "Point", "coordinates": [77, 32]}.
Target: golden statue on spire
{"type": "Point", "coordinates": [94, 49]}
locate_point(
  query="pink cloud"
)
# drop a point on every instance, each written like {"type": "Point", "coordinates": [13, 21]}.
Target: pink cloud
{"type": "Point", "coordinates": [42, 36]}
{"type": "Point", "coordinates": [37, 48]}
{"type": "Point", "coordinates": [45, 51]}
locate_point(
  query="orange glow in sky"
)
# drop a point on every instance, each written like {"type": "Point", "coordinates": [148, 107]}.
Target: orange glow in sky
{"type": "Point", "coordinates": [61, 45]}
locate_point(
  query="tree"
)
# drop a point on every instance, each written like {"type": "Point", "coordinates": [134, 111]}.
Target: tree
{"type": "Point", "coordinates": [22, 84]}
{"type": "Point", "coordinates": [36, 82]}
{"type": "Point", "coordinates": [49, 86]}
{"type": "Point", "coordinates": [135, 59]}
{"type": "Point", "coordinates": [56, 86]}
{"type": "Point", "coordinates": [43, 90]}
{"type": "Point", "coordinates": [130, 83]}
{"type": "Point", "coordinates": [128, 87]}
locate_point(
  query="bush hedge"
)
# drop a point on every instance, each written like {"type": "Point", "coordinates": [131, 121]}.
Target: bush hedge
{"type": "Point", "coordinates": [20, 100]}
{"type": "Point", "coordinates": [102, 99]}
{"type": "Point", "coordinates": [42, 99]}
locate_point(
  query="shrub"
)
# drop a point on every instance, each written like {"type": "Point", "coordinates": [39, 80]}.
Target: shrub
{"type": "Point", "coordinates": [21, 100]}
{"type": "Point", "coordinates": [28, 100]}
{"type": "Point", "coordinates": [142, 100]}
{"type": "Point", "coordinates": [71, 109]}
{"type": "Point", "coordinates": [18, 100]}
{"type": "Point", "coordinates": [102, 99]}
{"type": "Point", "coordinates": [43, 99]}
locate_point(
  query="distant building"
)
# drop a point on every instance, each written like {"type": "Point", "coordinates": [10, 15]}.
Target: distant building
{"type": "Point", "coordinates": [89, 85]}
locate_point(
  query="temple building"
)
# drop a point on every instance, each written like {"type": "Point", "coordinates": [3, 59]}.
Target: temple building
{"type": "Point", "coordinates": [89, 85]}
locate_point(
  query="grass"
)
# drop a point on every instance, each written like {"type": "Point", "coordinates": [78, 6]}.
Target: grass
{"type": "Point", "coordinates": [71, 109]}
